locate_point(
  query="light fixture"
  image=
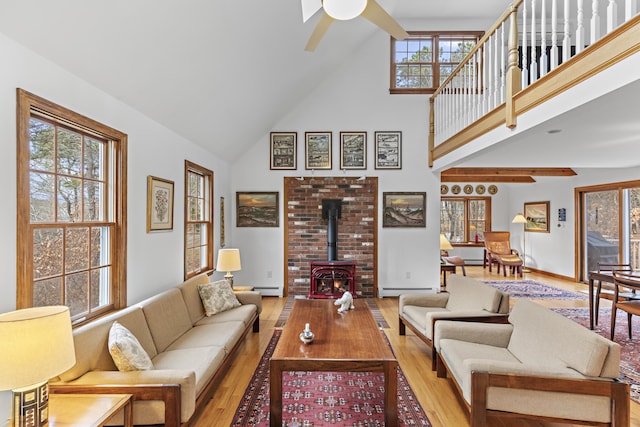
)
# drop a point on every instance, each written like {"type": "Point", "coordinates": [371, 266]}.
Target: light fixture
{"type": "Point", "coordinates": [445, 245]}
{"type": "Point", "coordinates": [37, 345]}
{"type": "Point", "coordinates": [229, 260]}
{"type": "Point", "coordinates": [520, 219]}
{"type": "Point", "coordinates": [344, 9]}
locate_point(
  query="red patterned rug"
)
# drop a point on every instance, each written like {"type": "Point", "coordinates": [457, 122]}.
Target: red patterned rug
{"type": "Point", "coordinates": [325, 398]}
{"type": "Point", "coordinates": [533, 290]}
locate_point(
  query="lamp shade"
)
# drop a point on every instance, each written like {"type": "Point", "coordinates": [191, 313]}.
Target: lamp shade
{"type": "Point", "coordinates": [444, 243]}
{"type": "Point", "coordinates": [519, 219]}
{"type": "Point", "coordinates": [344, 9]}
{"type": "Point", "coordinates": [37, 345]}
{"type": "Point", "coordinates": [228, 260]}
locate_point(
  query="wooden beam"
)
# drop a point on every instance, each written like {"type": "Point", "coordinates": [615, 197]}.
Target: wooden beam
{"type": "Point", "coordinates": [486, 178]}
{"type": "Point", "coordinates": [510, 171]}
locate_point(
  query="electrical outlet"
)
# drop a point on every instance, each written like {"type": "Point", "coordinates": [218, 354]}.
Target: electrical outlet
{"type": "Point", "coordinates": [269, 274]}
{"type": "Point", "coordinates": [408, 275]}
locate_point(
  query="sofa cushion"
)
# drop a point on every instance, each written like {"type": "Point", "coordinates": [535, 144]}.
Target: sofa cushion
{"type": "Point", "coordinates": [126, 351]}
{"type": "Point", "coordinates": [470, 294]}
{"type": "Point", "coordinates": [204, 361]}
{"type": "Point", "coordinates": [191, 296]}
{"type": "Point", "coordinates": [244, 313]}
{"type": "Point", "coordinates": [167, 317]}
{"type": "Point", "coordinates": [418, 316]}
{"type": "Point", "coordinates": [224, 335]}
{"type": "Point", "coordinates": [217, 297]}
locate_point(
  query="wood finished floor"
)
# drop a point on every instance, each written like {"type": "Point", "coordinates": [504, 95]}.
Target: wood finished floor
{"type": "Point", "coordinates": [435, 394]}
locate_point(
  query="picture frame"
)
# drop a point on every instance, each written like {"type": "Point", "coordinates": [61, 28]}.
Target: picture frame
{"type": "Point", "coordinates": [159, 204]}
{"type": "Point", "coordinates": [317, 150]}
{"type": "Point", "coordinates": [257, 209]}
{"type": "Point", "coordinates": [405, 209]}
{"type": "Point", "coordinates": [537, 215]}
{"type": "Point", "coordinates": [388, 150]}
{"type": "Point", "coordinates": [222, 237]}
{"type": "Point", "coordinates": [284, 150]}
{"type": "Point", "coordinates": [353, 150]}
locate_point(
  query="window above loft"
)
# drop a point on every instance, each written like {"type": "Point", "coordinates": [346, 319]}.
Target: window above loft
{"type": "Point", "coordinates": [421, 62]}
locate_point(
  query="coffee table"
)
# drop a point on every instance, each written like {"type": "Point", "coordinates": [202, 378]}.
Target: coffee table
{"type": "Point", "coordinates": [347, 342]}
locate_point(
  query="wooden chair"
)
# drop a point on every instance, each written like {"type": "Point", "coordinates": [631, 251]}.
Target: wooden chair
{"type": "Point", "coordinates": [607, 292]}
{"type": "Point", "coordinates": [631, 306]}
{"type": "Point", "coordinates": [498, 251]}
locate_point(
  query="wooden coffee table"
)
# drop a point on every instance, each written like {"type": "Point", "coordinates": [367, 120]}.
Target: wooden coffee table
{"type": "Point", "coordinates": [348, 342]}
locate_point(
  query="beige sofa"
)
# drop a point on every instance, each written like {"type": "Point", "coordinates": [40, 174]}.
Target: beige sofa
{"type": "Point", "coordinates": [540, 365]}
{"type": "Point", "coordinates": [190, 353]}
{"type": "Point", "coordinates": [466, 299]}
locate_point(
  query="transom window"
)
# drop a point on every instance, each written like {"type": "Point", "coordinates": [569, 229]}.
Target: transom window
{"type": "Point", "coordinates": [198, 241]}
{"type": "Point", "coordinates": [423, 61]}
{"type": "Point", "coordinates": [71, 215]}
{"type": "Point", "coordinates": [464, 218]}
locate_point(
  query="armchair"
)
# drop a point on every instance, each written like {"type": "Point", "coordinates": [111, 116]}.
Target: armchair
{"type": "Point", "coordinates": [498, 251]}
{"type": "Point", "coordinates": [629, 282]}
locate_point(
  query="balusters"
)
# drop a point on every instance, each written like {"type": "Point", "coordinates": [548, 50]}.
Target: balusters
{"type": "Point", "coordinates": [503, 66]}
{"type": "Point", "coordinates": [533, 69]}
{"type": "Point", "coordinates": [525, 56]}
{"type": "Point", "coordinates": [612, 15]}
{"type": "Point", "coordinates": [566, 42]}
{"type": "Point", "coordinates": [595, 22]}
{"type": "Point", "coordinates": [580, 27]}
{"type": "Point", "coordinates": [554, 34]}
{"type": "Point", "coordinates": [630, 9]}
{"type": "Point", "coordinates": [543, 39]}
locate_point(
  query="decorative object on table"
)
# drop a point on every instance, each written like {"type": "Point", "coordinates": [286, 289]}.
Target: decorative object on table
{"type": "Point", "coordinates": [445, 245]}
{"type": "Point", "coordinates": [493, 189]}
{"type": "Point", "coordinates": [159, 204]}
{"type": "Point", "coordinates": [317, 150]}
{"type": "Point", "coordinates": [404, 209]}
{"type": "Point", "coordinates": [520, 219]}
{"type": "Point", "coordinates": [480, 189]}
{"type": "Point", "coordinates": [468, 189]}
{"type": "Point", "coordinates": [257, 209]}
{"type": "Point", "coordinates": [388, 150]}
{"type": "Point", "coordinates": [444, 189]}
{"type": "Point", "coordinates": [307, 336]}
{"type": "Point", "coordinates": [537, 215]}
{"type": "Point", "coordinates": [353, 150]}
{"type": "Point", "coordinates": [229, 260]}
{"type": "Point", "coordinates": [284, 150]}
{"type": "Point", "coordinates": [455, 189]}
{"type": "Point", "coordinates": [38, 345]}
{"type": "Point", "coordinates": [345, 302]}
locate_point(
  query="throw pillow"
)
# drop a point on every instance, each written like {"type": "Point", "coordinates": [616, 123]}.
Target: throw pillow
{"type": "Point", "coordinates": [126, 351]}
{"type": "Point", "coordinates": [217, 297]}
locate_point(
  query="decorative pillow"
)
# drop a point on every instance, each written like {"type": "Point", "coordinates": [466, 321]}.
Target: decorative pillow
{"type": "Point", "coordinates": [126, 351]}
{"type": "Point", "coordinates": [217, 297]}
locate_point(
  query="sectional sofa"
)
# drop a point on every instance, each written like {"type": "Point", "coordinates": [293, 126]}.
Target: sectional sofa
{"type": "Point", "coordinates": [189, 350]}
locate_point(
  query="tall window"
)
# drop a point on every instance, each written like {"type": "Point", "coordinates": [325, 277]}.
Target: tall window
{"type": "Point", "coordinates": [71, 210]}
{"type": "Point", "coordinates": [464, 218]}
{"type": "Point", "coordinates": [198, 235]}
{"type": "Point", "coordinates": [423, 61]}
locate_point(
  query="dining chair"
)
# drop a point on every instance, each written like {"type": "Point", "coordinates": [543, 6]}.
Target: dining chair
{"type": "Point", "coordinates": [630, 306]}
{"type": "Point", "coordinates": [608, 294]}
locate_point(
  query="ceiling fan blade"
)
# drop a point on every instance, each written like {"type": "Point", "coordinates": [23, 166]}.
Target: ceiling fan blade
{"type": "Point", "coordinates": [376, 14]}
{"type": "Point", "coordinates": [309, 8]}
{"type": "Point", "coordinates": [318, 32]}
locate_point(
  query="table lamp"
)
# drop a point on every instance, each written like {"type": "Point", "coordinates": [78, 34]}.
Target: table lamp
{"type": "Point", "coordinates": [37, 345]}
{"type": "Point", "coordinates": [445, 245]}
{"type": "Point", "coordinates": [520, 219]}
{"type": "Point", "coordinates": [229, 260]}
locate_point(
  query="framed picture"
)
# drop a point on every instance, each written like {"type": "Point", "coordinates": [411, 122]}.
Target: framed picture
{"type": "Point", "coordinates": [353, 150]}
{"type": "Point", "coordinates": [388, 150]}
{"type": "Point", "coordinates": [318, 150]}
{"type": "Point", "coordinates": [284, 150]}
{"type": "Point", "coordinates": [404, 209]}
{"type": "Point", "coordinates": [159, 204]}
{"type": "Point", "coordinates": [537, 215]}
{"type": "Point", "coordinates": [257, 209]}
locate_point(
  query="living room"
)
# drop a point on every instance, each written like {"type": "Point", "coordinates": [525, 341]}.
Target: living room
{"type": "Point", "coordinates": [353, 96]}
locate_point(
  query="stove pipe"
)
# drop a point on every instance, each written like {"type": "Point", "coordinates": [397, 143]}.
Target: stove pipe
{"type": "Point", "coordinates": [331, 211]}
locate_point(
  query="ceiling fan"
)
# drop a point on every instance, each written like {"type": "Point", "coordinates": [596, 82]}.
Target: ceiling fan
{"type": "Point", "coordinates": [345, 10]}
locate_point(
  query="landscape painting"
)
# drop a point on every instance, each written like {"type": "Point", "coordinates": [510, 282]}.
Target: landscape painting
{"type": "Point", "coordinates": [257, 209]}
{"type": "Point", "coordinates": [404, 209]}
{"type": "Point", "coordinates": [537, 215]}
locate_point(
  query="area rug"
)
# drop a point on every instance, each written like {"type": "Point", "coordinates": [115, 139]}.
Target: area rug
{"type": "Point", "coordinates": [531, 289]}
{"type": "Point", "coordinates": [325, 398]}
{"type": "Point", "coordinates": [630, 349]}
{"type": "Point", "coordinates": [377, 314]}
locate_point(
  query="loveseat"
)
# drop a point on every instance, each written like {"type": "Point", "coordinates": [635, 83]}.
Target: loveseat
{"type": "Point", "coordinates": [189, 350]}
{"type": "Point", "coordinates": [466, 299]}
{"type": "Point", "coordinates": [541, 365]}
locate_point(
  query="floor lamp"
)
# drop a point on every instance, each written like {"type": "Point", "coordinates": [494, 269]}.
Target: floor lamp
{"type": "Point", "coordinates": [520, 219]}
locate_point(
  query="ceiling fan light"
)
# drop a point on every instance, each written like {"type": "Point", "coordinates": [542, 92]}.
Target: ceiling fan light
{"type": "Point", "coordinates": [344, 9]}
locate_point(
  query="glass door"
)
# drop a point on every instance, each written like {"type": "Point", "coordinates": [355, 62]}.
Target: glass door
{"type": "Point", "coordinates": [601, 239]}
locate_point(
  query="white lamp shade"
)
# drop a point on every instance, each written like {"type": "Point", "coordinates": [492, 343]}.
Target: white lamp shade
{"type": "Point", "coordinates": [445, 245]}
{"type": "Point", "coordinates": [519, 219]}
{"type": "Point", "coordinates": [37, 344]}
{"type": "Point", "coordinates": [344, 9]}
{"type": "Point", "coordinates": [228, 260]}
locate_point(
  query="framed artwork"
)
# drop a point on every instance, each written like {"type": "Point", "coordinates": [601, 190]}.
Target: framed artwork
{"type": "Point", "coordinates": [388, 150]}
{"type": "Point", "coordinates": [318, 150]}
{"type": "Point", "coordinates": [257, 209]}
{"type": "Point", "coordinates": [537, 215]}
{"type": "Point", "coordinates": [222, 242]}
{"type": "Point", "coordinates": [284, 150]}
{"type": "Point", "coordinates": [159, 204]}
{"type": "Point", "coordinates": [404, 209]}
{"type": "Point", "coordinates": [353, 150]}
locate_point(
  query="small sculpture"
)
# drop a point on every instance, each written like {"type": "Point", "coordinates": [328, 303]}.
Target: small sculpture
{"type": "Point", "coordinates": [306, 336]}
{"type": "Point", "coordinates": [345, 302]}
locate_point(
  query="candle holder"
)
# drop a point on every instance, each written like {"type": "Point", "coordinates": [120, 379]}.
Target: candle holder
{"type": "Point", "coordinates": [307, 336]}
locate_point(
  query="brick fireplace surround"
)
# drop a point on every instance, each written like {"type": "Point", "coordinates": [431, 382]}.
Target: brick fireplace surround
{"type": "Point", "coordinates": [306, 232]}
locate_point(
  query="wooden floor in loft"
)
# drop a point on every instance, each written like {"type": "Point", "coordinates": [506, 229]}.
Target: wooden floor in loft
{"type": "Point", "coordinates": [435, 394]}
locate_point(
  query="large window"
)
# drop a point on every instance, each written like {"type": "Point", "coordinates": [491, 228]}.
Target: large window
{"type": "Point", "coordinates": [198, 235]}
{"type": "Point", "coordinates": [464, 218]}
{"type": "Point", "coordinates": [71, 210]}
{"type": "Point", "coordinates": [423, 61]}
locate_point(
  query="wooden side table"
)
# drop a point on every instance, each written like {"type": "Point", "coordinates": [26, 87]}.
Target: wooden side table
{"type": "Point", "coordinates": [242, 288]}
{"type": "Point", "coordinates": [88, 410]}
{"type": "Point", "coordinates": [451, 268]}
